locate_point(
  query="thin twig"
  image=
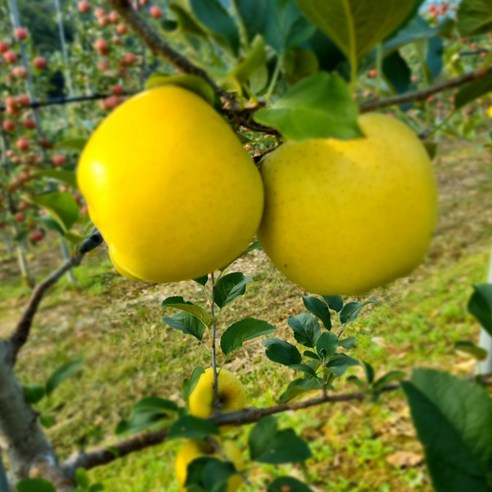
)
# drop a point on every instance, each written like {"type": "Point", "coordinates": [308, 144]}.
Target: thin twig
{"type": "Point", "coordinates": [160, 48]}
{"type": "Point", "coordinates": [21, 333]}
{"type": "Point", "coordinates": [37, 103]}
{"type": "Point", "coordinates": [423, 94]}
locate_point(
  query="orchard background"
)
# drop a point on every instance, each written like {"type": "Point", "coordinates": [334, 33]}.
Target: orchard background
{"type": "Point", "coordinates": [98, 344]}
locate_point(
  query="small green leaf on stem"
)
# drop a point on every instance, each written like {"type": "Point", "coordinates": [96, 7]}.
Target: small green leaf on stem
{"type": "Point", "coordinates": [242, 331]}
{"type": "Point", "coordinates": [319, 106]}
{"type": "Point", "coordinates": [63, 373]}
{"type": "Point", "coordinates": [282, 352]}
{"type": "Point", "coordinates": [192, 428]}
{"type": "Point", "coordinates": [229, 287]}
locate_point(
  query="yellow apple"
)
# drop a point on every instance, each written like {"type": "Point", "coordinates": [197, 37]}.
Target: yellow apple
{"type": "Point", "coordinates": [232, 396]}
{"type": "Point", "coordinates": [170, 187]}
{"type": "Point", "coordinates": [195, 449]}
{"type": "Point", "coordinates": [343, 217]}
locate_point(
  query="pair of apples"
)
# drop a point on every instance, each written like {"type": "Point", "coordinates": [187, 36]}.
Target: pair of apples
{"type": "Point", "coordinates": [232, 397]}
{"type": "Point", "coordinates": [176, 196]}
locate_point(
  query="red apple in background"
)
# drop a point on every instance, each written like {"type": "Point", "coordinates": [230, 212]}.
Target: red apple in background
{"type": "Point", "coordinates": [8, 125]}
{"type": "Point", "coordinates": [20, 33]}
{"type": "Point", "coordinates": [39, 62]}
{"type": "Point", "coordinates": [10, 56]}
{"type": "Point", "coordinates": [101, 46]}
{"type": "Point", "coordinates": [22, 143]}
{"type": "Point", "coordinates": [30, 123]}
{"type": "Point", "coordinates": [58, 160]}
{"type": "Point", "coordinates": [19, 217]}
{"type": "Point", "coordinates": [3, 47]}
{"type": "Point", "coordinates": [19, 72]}
{"type": "Point", "coordinates": [84, 7]}
{"type": "Point", "coordinates": [155, 12]}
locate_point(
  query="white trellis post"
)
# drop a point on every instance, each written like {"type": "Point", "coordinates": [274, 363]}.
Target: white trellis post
{"type": "Point", "coordinates": [485, 366]}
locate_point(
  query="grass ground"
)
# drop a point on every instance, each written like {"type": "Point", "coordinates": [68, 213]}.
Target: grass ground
{"type": "Point", "coordinates": [116, 326]}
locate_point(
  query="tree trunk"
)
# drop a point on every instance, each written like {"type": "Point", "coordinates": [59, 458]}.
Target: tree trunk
{"type": "Point", "coordinates": [28, 450]}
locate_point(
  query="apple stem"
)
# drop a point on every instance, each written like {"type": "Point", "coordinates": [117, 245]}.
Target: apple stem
{"type": "Point", "coordinates": [216, 402]}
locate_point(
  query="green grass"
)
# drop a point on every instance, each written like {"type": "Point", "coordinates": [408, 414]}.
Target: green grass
{"type": "Point", "coordinates": [115, 325]}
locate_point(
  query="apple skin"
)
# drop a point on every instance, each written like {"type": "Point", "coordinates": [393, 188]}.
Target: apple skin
{"type": "Point", "coordinates": [344, 217]}
{"type": "Point", "coordinates": [195, 449]}
{"type": "Point", "coordinates": [232, 396]}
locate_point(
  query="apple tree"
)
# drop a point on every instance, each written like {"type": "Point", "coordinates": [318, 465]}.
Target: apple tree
{"type": "Point", "coordinates": [285, 90]}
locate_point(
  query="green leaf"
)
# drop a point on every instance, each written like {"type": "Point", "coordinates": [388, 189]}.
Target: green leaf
{"type": "Point", "coordinates": [311, 355]}
{"type": "Point", "coordinates": [348, 343]}
{"type": "Point", "coordinates": [452, 414]}
{"type": "Point", "coordinates": [61, 205]}
{"type": "Point", "coordinates": [62, 374]}
{"type": "Point", "coordinates": [261, 435]}
{"type": "Point", "coordinates": [308, 370]}
{"type": "Point", "coordinates": [319, 309]}
{"type": "Point", "coordinates": [246, 329]}
{"type": "Point", "coordinates": [96, 487]}
{"type": "Point", "coordinates": [35, 485]}
{"type": "Point", "coordinates": [192, 428]}
{"type": "Point", "coordinates": [208, 474]}
{"type": "Point", "coordinates": [187, 323]}
{"type": "Point", "coordinates": [72, 144]}
{"type": "Point", "coordinates": [229, 287]}
{"type": "Point", "coordinates": [334, 302]}
{"type": "Point", "coordinates": [473, 90]}
{"type": "Point", "coordinates": [299, 63]}
{"type": "Point", "coordinates": [339, 363]}
{"type": "Point", "coordinates": [254, 61]}
{"type": "Point", "coordinates": [326, 345]}
{"type": "Point", "coordinates": [192, 83]}
{"type": "Point", "coordinates": [62, 175]}
{"type": "Point", "coordinates": [369, 371]}
{"type": "Point", "coordinates": [177, 302]}
{"type": "Point", "coordinates": [299, 387]}
{"type": "Point", "coordinates": [217, 20]}
{"type": "Point", "coordinates": [433, 59]}
{"type": "Point", "coordinates": [480, 305]}
{"type": "Point", "coordinates": [318, 106]}
{"type": "Point", "coordinates": [155, 404]}
{"type": "Point", "coordinates": [201, 280]}
{"type": "Point", "coordinates": [216, 474]}
{"type": "Point", "coordinates": [288, 484]}
{"type": "Point", "coordinates": [474, 17]}
{"type": "Point", "coordinates": [418, 29]}
{"type": "Point", "coordinates": [141, 422]}
{"type": "Point", "coordinates": [34, 393]}
{"type": "Point", "coordinates": [282, 352]}
{"type": "Point", "coordinates": [47, 420]}
{"type": "Point", "coordinates": [397, 72]}
{"type": "Point", "coordinates": [357, 26]}
{"type": "Point", "coordinates": [188, 25]}
{"type": "Point", "coordinates": [190, 383]}
{"type": "Point", "coordinates": [388, 378]}
{"type": "Point", "coordinates": [82, 478]}
{"type": "Point", "coordinates": [351, 310]}
{"type": "Point", "coordinates": [306, 329]}
{"type": "Point", "coordinates": [280, 22]}
{"type": "Point", "coordinates": [267, 444]}
{"type": "Point", "coordinates": [470, 348]}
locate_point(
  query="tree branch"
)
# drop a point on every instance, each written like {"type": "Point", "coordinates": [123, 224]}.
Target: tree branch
{"type": "Point", "coordinates": [107, 455]}
{"type": "Point", "coordinates": [160, 48]}
{"type": "Point", "coordinates": [21, 334]}
{"type": "Point", "coordinates": [103, 456]}
{"type": "Point", "coordinates": [423, 94]}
